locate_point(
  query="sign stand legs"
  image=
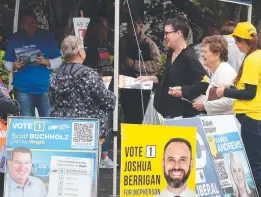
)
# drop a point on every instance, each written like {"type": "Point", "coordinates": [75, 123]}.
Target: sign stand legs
{"type": "Point", "coordinates": [116, 82]}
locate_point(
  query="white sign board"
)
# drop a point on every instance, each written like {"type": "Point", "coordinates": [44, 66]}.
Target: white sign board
{"type": "Point", "coordinates": [80, 26]}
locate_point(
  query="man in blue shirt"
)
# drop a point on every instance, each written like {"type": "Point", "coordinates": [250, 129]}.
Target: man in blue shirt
{"type": "Point", "coordinates": [18, 182]}
{"type": "Point", "coordinates": [31, 54]}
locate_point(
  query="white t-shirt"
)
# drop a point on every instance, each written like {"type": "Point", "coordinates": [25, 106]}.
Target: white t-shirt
{"type": "Point", "coordinates": [224, 74]}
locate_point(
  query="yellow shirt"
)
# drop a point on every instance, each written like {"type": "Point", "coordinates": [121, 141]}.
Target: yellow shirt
{"type": "Point", "coordinates": [2, 53]}
{"type": "Point", "coordinates": [251, 75]}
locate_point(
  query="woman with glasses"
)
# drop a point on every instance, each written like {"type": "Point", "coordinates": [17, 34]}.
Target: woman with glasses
{"type": "Point", "coordinates": [77, 91]}
{"type": "Point", "coordinates": [214, 54]}
{"type": "Point", "coordinates": [247, 94]}
{"type": "Point", "coordinates": [181, 82]}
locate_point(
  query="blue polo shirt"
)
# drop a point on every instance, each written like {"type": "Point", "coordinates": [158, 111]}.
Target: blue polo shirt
{"type": "Point", "coordinates": [34, 187]}
{"type": "Point", "coordinates": [32, 78]}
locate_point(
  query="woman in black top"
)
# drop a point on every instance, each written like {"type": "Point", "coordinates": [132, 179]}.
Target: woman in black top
{"type": "Point", "coordinates": [181, 82]}
{"type": "Point", "coordinates": [98, 56]}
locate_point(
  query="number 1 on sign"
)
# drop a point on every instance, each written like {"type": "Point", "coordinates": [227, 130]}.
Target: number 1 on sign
{"type": "Point", "coordinates": [150, 151]}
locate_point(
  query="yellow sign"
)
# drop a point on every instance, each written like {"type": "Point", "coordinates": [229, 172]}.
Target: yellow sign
{"type": "Point", "coordinates": [158, 161]}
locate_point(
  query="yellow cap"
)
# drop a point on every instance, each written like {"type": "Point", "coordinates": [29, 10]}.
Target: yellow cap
{"type": "Point", "coordinates": [244, 30]}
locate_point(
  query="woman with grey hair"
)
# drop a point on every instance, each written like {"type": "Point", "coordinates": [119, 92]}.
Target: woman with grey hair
{"type": "Point", "coordinates": [77, 91]}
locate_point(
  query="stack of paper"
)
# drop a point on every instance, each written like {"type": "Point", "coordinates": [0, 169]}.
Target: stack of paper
{"type": "Point", "coordinates": [131, 83]}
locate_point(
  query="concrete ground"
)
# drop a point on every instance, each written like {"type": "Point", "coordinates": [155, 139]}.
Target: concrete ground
{"type": "Point", "coordinates": [106, 180]}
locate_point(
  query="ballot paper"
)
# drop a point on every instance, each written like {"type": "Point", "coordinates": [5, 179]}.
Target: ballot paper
{"type": "Point", "coordinates": [70, 176]}
{"type": "Point", "coordinates": [131, 83]}
{"type": "Point", "coordinates": [27, 55]}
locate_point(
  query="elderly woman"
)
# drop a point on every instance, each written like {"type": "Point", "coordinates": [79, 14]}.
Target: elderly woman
{"type": "Point", "coordinates": [77, 91]}
{"type": "Point", "coordinates": [214, 55]}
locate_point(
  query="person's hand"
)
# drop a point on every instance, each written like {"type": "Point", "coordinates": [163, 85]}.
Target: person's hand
{"type": "Point", "coordinates": [43, 61]}
{"type": "Point", "coordinates": [220, 91]}
{"type": "Point", "coordinates": [175, 91]}
{"type": "Point", "coordinates": [17, 65]}
{"type": "Point", "coordinates": [143, 78]}
{"type": "Point", "coordinates": [198, 106]}
{"type": "Point", "coordinates": [225, 85]}
{"type": "Point", "coordinates": [147, 78]}
{"type": "Point", "coordinates": [129, 62]}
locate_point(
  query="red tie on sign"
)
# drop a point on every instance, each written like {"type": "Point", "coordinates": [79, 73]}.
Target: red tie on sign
{"type": "Point", "coordinates": [82, 32]}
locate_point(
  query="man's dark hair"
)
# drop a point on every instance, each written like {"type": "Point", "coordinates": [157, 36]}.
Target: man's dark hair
{"type": "Point", "coordinates": [181, 140]}
{"type": "Point", "coordinates": [180, 23]}
{"type": "Point", "coordinates": [27, 12]}
{"type": "Point", "coordinates": [228, 28]}
{"type": "Point", "coordinates": [21, 150]}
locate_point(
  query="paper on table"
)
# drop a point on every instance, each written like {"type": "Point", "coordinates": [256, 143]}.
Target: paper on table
{"type": "Point", "coordinates": [131, 83]}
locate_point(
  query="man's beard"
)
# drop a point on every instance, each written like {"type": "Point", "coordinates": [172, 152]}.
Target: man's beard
{"type": "Point", "coordinates": [177, 183]}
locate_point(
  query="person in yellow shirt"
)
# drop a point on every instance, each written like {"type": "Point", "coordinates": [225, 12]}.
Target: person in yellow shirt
{"type": "Point", "coordinates": [247, 94]}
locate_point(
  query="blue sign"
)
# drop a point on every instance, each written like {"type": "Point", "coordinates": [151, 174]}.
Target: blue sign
{"type": "Point", "coordinates": [59, 157]}
{"type": "Point", "coordinates": [228, 142]}
{"type": "Point", "coordinates": [53, 134]}
{"type": "Point", "coordinates": [207, 183]}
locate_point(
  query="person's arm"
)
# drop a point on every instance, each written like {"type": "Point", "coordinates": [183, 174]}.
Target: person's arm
{"type": "Point", "coordinates": [8, 105]}
{"type": "Point", "coordinates": [10, 57]}
{"type": "Point", "coordinates": [250, 78]}
{"type": "Point", "coordinates": [190, 92]}
{"type": "Point", "coordinates": [248, 93]}
{"type": "Point", "coordinates": [225, 74]}
{"type": "Point", "coordinates": [56, 62]}
{"type": "Point", "coordinates": [154, 79]}
{"type": "Point", "coordinates": [150, 66]}
{"type": "Point", "coordinates": [102, 96]}
{"type": "Point", "coordinates": [219, 106]}
{"type": "Point", "coordinates": [9, 66]}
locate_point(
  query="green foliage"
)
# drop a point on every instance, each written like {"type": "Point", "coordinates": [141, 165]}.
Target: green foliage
{"type": "Point", "coordinates": [111, 59]}
{"type": "Point", "coordinates": [4, 74]}
{"type": "Point", "coordinates": [156, 14]}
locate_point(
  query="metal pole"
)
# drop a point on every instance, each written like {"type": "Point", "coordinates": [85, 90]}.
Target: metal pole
{"type": "Point", "coordinates": [249, 13]}
{"type": "Point", "coordinates": [15, 25]}
{"type": "Point", "coordinates": [116, 92]}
